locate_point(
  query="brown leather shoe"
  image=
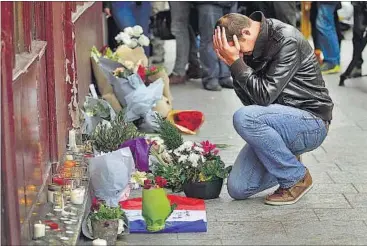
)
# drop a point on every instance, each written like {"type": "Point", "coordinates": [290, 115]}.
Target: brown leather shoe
{"type": "Point", "coordinates": [177, 79]}
{"type": "Point", "coordinates": [291, 195]}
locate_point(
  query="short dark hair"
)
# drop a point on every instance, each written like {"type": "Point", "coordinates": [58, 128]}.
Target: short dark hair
{"type": "Point", "coordinates": [233, 24]}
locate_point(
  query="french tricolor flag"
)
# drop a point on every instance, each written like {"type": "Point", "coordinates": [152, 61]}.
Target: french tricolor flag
{"type": "Point", "coordinates": [189, 215]}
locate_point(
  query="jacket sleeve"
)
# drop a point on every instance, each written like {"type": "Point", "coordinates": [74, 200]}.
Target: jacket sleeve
{"type": "Point", "coordinates": [265, 88]}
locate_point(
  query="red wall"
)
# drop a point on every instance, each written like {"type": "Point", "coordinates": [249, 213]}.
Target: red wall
{"type": "Point", "coordinates": [40, 96]}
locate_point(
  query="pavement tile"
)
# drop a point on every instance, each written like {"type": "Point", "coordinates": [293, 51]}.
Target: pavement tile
{"type": "Point", "coordinates": [350, 176]}
{"type": "Point", "coordinates": [332, 188]}
{"type": "Point", "coordinates": [237, 230]}
{"type": "Point", "coordinates": [350, 214]}
{"type": "Point", "coordinates": [357, 200]}
{"type": "Point", "coordinates": [362, 188]}
{"type": "Point", "coordinates": [350, 241]}
{"type": "Point", "coordinates": [266, 213]}
{"type": "Point", "coordinates": [322, 229]}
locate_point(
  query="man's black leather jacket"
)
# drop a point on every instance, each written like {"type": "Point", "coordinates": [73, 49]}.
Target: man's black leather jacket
{"type": "Point", "coordinates": [282, 69]}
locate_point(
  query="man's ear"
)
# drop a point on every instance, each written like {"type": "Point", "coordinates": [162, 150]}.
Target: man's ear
{"type": "Point", "coordinates": [245, 32]}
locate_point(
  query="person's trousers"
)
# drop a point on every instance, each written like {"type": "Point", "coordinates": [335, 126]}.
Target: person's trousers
{"type": "Point", "coordinates": [186, 49]}
{"type": "Point", "coordinates": [129, 14]}
{"type": "Point", "coordinates": [274, 135]}
{"type": "Point", "coordinates": [359, 27]}
{"type": "Point", "coordinates": [327, 37]}
{"type": "Point", "coordinates": [212, 66]}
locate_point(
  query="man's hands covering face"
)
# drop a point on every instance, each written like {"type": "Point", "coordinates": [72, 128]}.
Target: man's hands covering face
{"type": "Point", "coordinates": [228, 54]}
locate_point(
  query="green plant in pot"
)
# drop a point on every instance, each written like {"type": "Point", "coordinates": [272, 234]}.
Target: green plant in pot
{"type": "Point", "coordinates": [156, 207]}
{"type": "Point", "coordinates": [105, 221]}
{"type": "Point", "coordinates": [205, 180]}
{"type": "Point", "coordinates": [195, 168]}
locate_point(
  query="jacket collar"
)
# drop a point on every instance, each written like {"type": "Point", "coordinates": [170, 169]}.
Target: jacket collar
{"type": "Point", "coordinates": [262, 38]}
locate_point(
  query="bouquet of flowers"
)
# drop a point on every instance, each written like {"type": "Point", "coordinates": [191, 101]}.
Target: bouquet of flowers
{"type": "Point", "coordinates": [156, 207]}
{"type": "Point", "coordinates": [132, 37]}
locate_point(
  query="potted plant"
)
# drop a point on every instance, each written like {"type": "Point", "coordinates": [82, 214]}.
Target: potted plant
{"type": "Point", "coordinates": [197, 169]}
{"type": "Point", "coordinates": [205, 181]}
{"type": "Point", "coordinates": [105, 221]}
{"type": "Point", "coordinates": [156, 207]}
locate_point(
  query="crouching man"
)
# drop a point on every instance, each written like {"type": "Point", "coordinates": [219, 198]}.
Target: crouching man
{"type": "Point", "coordinates": [287, 108]}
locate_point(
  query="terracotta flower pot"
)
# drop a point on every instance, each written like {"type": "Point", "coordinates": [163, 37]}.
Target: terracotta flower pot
{"type": "Point", "coordinates": [204, 190]}
{"type": "Point", "coordinates": [156, 209]}
{"type": "Point", "coordinates": [106, 229]}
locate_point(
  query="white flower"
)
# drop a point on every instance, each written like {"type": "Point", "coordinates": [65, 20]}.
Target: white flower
{"type": "Point", "coordinates": [143, 40]}
{"type": "Point", "coordinates": [183, 158]}
{"type": "Point", "coordinates": [137, 31]}
{"type": "Point", "coordinates": [198, 149]}
{"type": "Point", "coordinates": [203, 158]}
{"type": "Point", "coordinates": [158, 140]}
{"type": "Point", "coordinates": [129, 31]}
{"type": "Point", "coordinates": [121, 36]}
{"type": "Point", "coordinates": [134, 43]}
{"type": "Point", "coordinates": [127, 41]}
{"type": "Point", "coordinates": [194, 158]}
{"type": "Point", "coordinates": [188, 145]}
{"type": "Point", "coordinates": [177, 152]}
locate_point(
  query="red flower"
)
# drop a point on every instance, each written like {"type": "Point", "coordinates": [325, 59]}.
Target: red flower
{"type": "Point", "coordinates": [141, 72]}
{"type": "Point", "coordinates": [160, 181]}
{"type": "Point", "coordinates": [147, 184]}
{"type": "Point", "coordinates": [209, 147]}
{"type": "Point", "coordinates": [153, 69]}
{"type": "Point", "coordinates": [95, 204]}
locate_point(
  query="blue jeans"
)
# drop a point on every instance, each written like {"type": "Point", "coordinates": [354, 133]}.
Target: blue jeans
{"type": "Point", "coordinates": [326, 33]}
{"type": "Point", "coordinates": [275, 135]}
{"type": "Point", "coordinates": [128, 14]}
{"type": "Point", "coordinates": [213, 67]}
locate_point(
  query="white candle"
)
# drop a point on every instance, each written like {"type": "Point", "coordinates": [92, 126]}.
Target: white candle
{"type": "Point", "coordinates": [39, 230]}
{"type": "Point", "coordinates": [72, 140]}
{"type": "Point", "coordinates": [99, 242]}
{"type": "Point", "coordinates": [93, 91]}
{"type": "Point", "coordinates": [77, 196]}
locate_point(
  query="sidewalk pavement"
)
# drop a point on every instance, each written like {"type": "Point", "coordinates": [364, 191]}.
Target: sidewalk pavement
{"type": "Point", "coordinates": [334, 212]}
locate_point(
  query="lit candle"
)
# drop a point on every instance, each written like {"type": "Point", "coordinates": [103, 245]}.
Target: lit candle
{"type": "Point", "coordinates": [99, 242]}
{"type": "Point", "coordinates": [39, 230]}
{"type": "Point", "coordinates": [72, 140]}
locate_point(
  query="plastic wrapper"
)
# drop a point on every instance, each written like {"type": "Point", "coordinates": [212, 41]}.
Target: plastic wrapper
{"type": "Point", "coordinates": [95, 111]}
{"type": "Point", "coordinates": [140, 150]}
{"type": "Point", "coordinates": [142, 100]}
{"type": "Point", "coordinates": [110, 174]}
{"type": "Point", "coordinates": [124, 86]}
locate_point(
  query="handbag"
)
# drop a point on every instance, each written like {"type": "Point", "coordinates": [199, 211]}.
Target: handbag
{"type": "Point", "coordinates": [161, 25]}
